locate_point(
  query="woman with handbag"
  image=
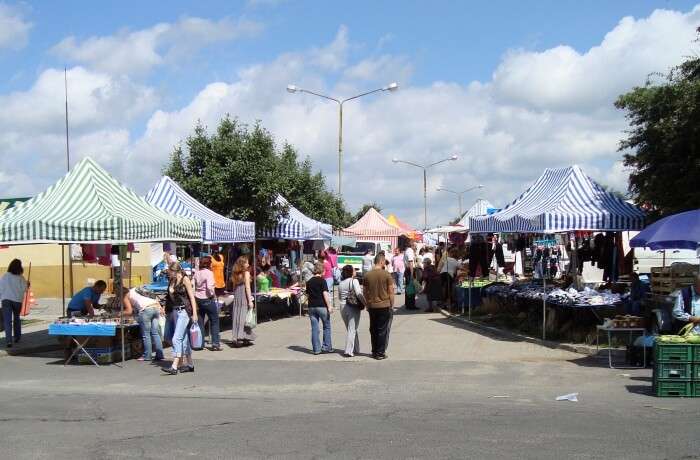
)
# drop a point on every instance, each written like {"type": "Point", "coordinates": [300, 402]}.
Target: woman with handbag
{"type": "Point", "coordinates": [181, 305]}
{"type": "Point", "coordinates": [243, 335]}
{"type": "Point", "coordinates": [205, 295]}
{"type": "Point", "coordinates": [350, 293]}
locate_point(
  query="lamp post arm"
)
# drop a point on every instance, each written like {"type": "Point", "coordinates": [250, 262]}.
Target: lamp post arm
{"type": "Point", "coordinates": [438, 162]}
{"type": "Point", "coordinates": [411, 163]}
{"type": "Point", "coordinates": [320, 95]}
{"type": "Point", "coordinates": [360, 95]}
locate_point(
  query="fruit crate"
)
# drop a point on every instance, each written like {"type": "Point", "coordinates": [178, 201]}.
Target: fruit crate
{"type": "Point", "coordinates": [695, 372]}
{"type": "Point", "coordinates": [696, 354]}
{"type": "Point", "coordinates": [673, 371]}
{"type": "Point", "coordinates": [695, 388]}
{"type": "Point", "coordinates": [674, 389]}
{"type": "Point", "coordinates": [674, 352]}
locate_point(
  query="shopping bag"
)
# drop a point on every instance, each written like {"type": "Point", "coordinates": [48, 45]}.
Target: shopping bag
{"type": "Point", "coordinates": [250, 319]}
{"type": "Point", "coordinates": [196, 339]}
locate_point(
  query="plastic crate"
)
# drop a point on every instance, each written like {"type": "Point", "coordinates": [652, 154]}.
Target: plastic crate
{"type": "Point", "coordinates": [696, 389]}
{"type": "Point", "coordinates": [696, 353]}
{"type": "Point", "coordinates": [695, 374]}
{"type": "Point", "coordinates": [673, 371]}
{"type": "Point", "coordinates": [673, 388]}
{"type": "Point", "coordinates": [675, 352]}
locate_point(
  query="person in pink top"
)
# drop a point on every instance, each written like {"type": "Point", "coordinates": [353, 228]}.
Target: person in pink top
{"type": "Point", "coordinates": [399, 268]}
{"type": "Point", "coordinates": [204, 294]}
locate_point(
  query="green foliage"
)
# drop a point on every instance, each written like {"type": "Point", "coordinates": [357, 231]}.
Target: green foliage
{"type": "Point", "coordinates": [664, 140]}
{"type": "Point", "coordinates": [237, 172]}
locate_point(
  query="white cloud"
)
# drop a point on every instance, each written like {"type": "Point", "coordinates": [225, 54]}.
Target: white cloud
{"type": "Point", "coordinates": [14, 29]}
{"type": "Point", "coordinates": [138, 52]}
{"type": "Point", "coordinates": [541, 109]}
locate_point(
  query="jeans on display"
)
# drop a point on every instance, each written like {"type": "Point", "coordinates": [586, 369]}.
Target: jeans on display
{"type": "Point", "coordinates": [379, 328]}
{"type": "Point", "coordinates": [351, 318]}
{"type": "Point", "coordinates": [181, 333]}
{"type": "Point", "coordinates": [148, 320]}
{"type": "Point", "coordinates": [10, 315]}
{"type": "Point", "coordinates": [316, 315]}
{"type": "Point", "coordinates": [208, 307]}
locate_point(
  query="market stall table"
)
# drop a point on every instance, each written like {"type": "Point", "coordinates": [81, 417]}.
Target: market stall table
{"type": "Point", "coordinates": [612, 330]}
{"type": "Point", "coordinates": [87, 331]}
{"type": "Point", "coordinates": [286, 295]}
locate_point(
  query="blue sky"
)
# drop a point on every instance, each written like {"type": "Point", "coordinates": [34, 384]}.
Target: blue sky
{"type": "Point", "coordinates": [473, 75]}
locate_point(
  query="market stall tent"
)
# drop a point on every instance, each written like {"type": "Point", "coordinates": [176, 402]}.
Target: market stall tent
{"type": "Point", "coordinates": [404, 227]}
{"type": "Point", "coordinates": [561, 200]}
{"type": "Point", "coordinates": [88, 205]}
{"type": "Point", "coordinates": [215, 228]}
{"type": "Point", "coordinates": [373, 226]}
{"type": "Point", "coordinates": [480, 207]}
{"type": "Point", "coordinates": [296, 226]}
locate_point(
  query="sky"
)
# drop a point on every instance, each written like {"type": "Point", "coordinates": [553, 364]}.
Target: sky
{"type": "Point", "coordinates": [509, 87]}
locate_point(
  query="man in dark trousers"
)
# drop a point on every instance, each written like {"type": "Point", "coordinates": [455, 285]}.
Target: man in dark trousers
{"type": "Point", "coordinates": [379, 294]}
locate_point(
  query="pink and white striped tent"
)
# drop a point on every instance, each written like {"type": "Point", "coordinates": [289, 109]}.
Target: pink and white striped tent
{"type": "Point", "coordinates": [373, 226]}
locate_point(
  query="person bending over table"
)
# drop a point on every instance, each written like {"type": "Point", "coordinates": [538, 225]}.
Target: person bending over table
{"type": "Point", "coordinates": [147, 310]}
{"type": "Point", "coordinates": [85, 300]}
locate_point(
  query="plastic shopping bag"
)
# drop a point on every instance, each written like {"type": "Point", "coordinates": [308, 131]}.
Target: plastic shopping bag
{"type": "Point", "coordinates": [196, 339]}
{"type": "Point", "coordinates": [251, 319]}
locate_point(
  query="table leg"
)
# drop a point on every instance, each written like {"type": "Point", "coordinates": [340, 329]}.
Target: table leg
{"type": "Point", "coordinates": [610, 351]}
{"type": "Point", "coordinates": [81, 346]}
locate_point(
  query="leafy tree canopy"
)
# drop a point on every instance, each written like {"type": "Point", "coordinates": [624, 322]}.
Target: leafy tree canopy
{"type": "Point", "coordinates": [663, 143]}
{"type": "Point", "coordinates": [238, 172]}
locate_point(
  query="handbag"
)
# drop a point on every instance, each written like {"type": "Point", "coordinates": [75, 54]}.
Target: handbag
{"type": "Point", "coordinates": [355, 298]}
{"type": "Point", "coordinates": [251, 319]}
{"type": "Point", "coordinates": [196, 340]}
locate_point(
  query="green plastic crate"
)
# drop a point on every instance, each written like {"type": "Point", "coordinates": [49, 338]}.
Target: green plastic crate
{"type": "Point", "coordinates": [676, 352]}
{"type": "Point", "coordinates": [695, 375]}
{"type": "Point", "coordinates": [696, 353]}
{"type": "Point", "coordinates": [673, 371]}
{"type": "Point", "coordinates": [696, 389]}
{"type": "Point", "coordinates": [673, 388]}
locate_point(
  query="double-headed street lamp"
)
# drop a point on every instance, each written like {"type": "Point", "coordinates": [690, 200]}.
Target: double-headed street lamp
{"type": "Point", "coordinates": [295, 89]}
{"type": "Point", "coordinates": [459, 195]}
{"type": "Point", "coordinates": [425, 182]}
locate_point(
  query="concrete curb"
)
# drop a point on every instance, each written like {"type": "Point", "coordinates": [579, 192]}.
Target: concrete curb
{"type": "Point", "coordinates": [580, 349]}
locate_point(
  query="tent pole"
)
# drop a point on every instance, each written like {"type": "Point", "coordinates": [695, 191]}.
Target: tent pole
{"type": "Point", "coordinates": [544, 304]}
{"type": "Point", "coordinates": [63, 277]}
{"type": "Point", "coordinates": [255, 281]}
{"type": "Point", "coordinates": [121, 304]}
{"type": "Point", "coordinates": [70, 270]}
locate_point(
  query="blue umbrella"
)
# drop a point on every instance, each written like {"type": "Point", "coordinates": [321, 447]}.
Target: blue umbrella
{"type": "Point", "coordinates": [679, 231]}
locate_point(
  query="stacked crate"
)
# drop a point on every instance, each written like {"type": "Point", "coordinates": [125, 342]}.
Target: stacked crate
{"type": "Point", "coordinates": [676, 370]}
{"type": "Point", "coordinates": [665, 280]}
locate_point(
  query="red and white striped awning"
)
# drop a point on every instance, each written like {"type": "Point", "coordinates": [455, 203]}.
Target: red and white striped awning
{"type": "Point", "coordinates": [373, 226]}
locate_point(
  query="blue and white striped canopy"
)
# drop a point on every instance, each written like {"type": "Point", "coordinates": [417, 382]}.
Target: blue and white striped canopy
{"type": "Point", "coordinates": [297, 226]}
{"type": "Point", "coordinates": [561, 200]}
{"type": "Point", "coordinates": [170, 197]}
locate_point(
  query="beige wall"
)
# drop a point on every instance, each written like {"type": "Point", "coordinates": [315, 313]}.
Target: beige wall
{"type": "Point", "coordinates": [46, 268]}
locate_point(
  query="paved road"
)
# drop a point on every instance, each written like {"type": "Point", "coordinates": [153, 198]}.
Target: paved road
{"type": "Point", "coordinates": [445, 392]}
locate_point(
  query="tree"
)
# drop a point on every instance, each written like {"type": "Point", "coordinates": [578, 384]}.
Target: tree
{"type": "Point", "coordinates": [663, 143]}
{"type": "Point", "coordinates": [238, 173]}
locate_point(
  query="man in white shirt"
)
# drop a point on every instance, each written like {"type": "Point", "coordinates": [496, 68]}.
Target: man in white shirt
{"type": "Point", "coordinates": [410, 256]}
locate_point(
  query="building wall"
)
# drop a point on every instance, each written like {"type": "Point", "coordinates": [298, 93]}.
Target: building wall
{"type": "Point", "coordinates": [46, 268]}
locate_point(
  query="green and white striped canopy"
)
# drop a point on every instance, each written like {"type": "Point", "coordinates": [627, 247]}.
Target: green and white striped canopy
{"type": "Point", "coordinates": [88, 206]}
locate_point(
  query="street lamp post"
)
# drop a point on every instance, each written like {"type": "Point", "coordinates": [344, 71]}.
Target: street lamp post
{"type": "Point", "coordinates": [425, 182]}
{"type": "Point", "coordinates": [295, 89]}
{"type": "Point", "coordinates": [459, 194]}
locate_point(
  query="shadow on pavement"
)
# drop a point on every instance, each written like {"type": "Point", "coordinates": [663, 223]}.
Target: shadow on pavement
{"type": "Point", "coordinates": [299, 349]}
{"type": "Point", "coordinates": [644, 390]}
{"type": "Point", "coordinates": [478, 330]}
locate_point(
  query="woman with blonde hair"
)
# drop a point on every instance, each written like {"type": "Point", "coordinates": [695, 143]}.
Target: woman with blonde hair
{"type": "Point", "coordinates": [242, 302]}
{"type": "Point", "coordinates": [182, 307]}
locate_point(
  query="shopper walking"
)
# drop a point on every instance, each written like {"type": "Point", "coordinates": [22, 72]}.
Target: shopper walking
{"type": "Point", "coordinates": [379, 294]}
{"type": "Point", "coordinates": [180, 303]}
{"type": "Point", "coordinates": [205, 295]}
{"type": "Point", "coordinates": [350, 294]}
{"type": "Point", "coordinates": [147, 311]}
{"type": "Point", "coordinates": [320, 309]}
{"type": "Point", "coordinates": [399, 268]}
{"type": "Point", "coordinates": [242, 302]}
{"type": "Point", "coordinates": [12, 289]}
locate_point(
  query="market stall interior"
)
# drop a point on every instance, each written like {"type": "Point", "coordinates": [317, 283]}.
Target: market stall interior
{"type": "Point", "coordinates": [563, 201]}
{"type": "Point", "coordinates": [88, 206]}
